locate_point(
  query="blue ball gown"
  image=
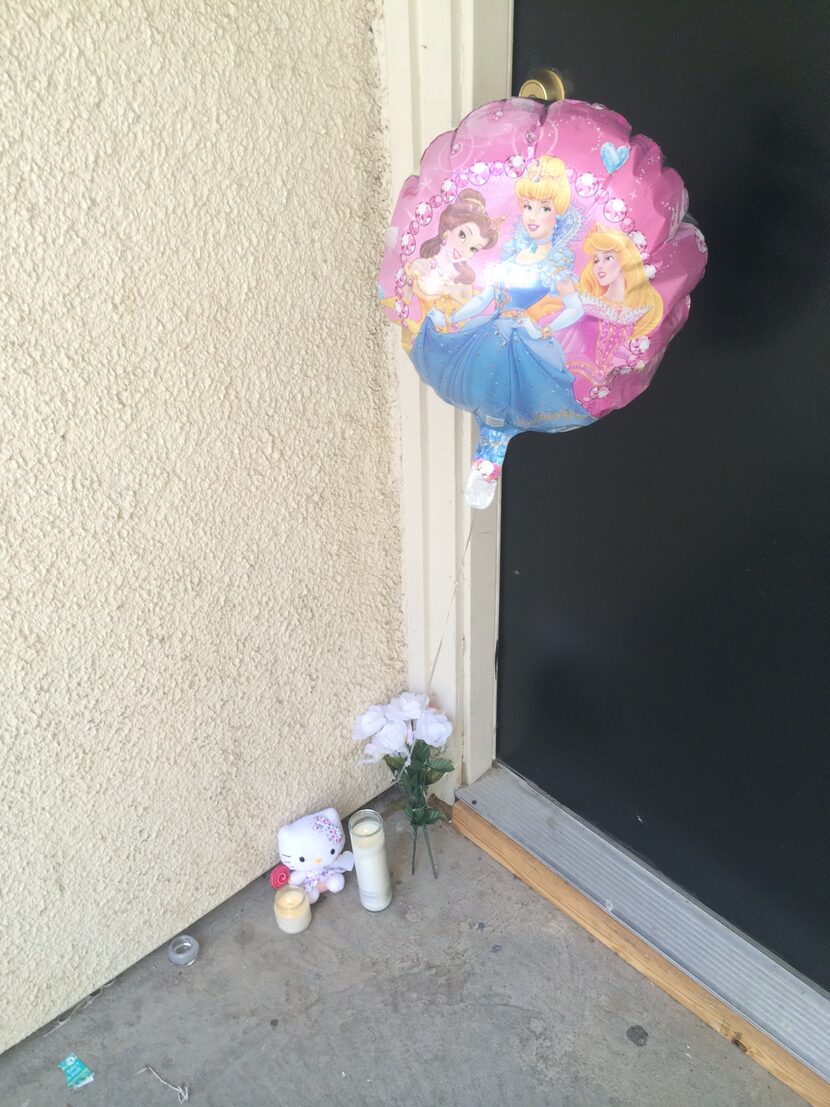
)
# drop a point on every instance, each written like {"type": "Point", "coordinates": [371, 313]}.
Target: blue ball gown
{"type": "Point", "coordinates": [494, 368]}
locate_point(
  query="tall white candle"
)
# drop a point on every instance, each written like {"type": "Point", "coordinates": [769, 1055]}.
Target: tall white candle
{"type": "Point", "coordinates": [292, 909]}
{"type": "Point", "coordinates": [370, 864]}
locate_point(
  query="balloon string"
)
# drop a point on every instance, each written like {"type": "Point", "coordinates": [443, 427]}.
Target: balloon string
{"type": "Point", "coordinates": [182, 1090]}
{"type": "Point", "coordinates": [449, 608]}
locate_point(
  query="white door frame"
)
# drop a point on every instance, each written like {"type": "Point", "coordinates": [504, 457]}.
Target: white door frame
{"type": "Point", "coordinates": [441, 59]}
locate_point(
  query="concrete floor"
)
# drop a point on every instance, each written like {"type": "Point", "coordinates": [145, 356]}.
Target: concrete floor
{"type": "Point", "coordinates": [469, 991]}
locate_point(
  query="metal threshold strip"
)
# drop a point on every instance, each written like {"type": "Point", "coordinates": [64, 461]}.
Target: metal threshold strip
{"type": "Point", "coordinates": [780, 1003]}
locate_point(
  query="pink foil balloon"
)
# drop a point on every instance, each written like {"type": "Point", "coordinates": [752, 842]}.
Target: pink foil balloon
{"type": "Point", "coordinates": [537, 267]}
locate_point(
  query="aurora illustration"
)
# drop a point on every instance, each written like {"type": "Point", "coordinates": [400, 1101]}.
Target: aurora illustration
{"type": "Point", "coordinates": [505, 365]}
{"type": "Point", "coordinates": [620, 306]}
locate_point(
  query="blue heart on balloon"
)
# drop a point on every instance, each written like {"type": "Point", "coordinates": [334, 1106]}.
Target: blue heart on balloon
{"type": "Point", "coordinates": [614, 157]}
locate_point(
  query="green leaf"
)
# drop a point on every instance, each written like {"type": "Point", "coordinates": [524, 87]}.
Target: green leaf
{"type": "Point", "coordinates": [409, 785]}
{"type": "Point", "coordinates": [394, 763]}
{"type": "Point", "coordinates": [420, 751]}
{"type": "Point", "coordinates": [433, 776]}
{"type": "Point", "coordinates": [433, 815]}
{"type": "Point", "coordinates": [441, 765]}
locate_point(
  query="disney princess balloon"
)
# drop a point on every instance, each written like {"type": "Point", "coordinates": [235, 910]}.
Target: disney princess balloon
{"type": "Point", "coordinates": [540, 263]}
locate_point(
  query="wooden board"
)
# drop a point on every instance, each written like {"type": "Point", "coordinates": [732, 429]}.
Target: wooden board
{"type": "Point", "coordinates": [743, 1035]}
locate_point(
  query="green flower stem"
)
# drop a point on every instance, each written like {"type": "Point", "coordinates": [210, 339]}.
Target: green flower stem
{"type": "Point", "coordinates": [429, 850]}
{"type": "Point", "coordinates": [414, 779]}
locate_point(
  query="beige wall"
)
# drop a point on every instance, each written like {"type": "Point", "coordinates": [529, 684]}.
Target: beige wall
{"type": "Point", "coordinates": [200, 539]}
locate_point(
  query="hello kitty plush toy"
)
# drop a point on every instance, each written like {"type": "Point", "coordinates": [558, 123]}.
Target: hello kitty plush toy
{"type": "Point", "coordinates": [311, 854]}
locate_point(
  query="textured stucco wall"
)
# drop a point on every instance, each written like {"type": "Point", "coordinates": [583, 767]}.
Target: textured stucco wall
{"type": "Point", "coordinates": [200, 541]}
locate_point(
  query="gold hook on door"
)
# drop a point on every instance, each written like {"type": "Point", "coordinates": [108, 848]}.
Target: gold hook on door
{"type": "Point", "coordinates": [544, 84]}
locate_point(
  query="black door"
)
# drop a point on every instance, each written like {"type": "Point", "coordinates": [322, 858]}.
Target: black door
{"type": "Point", "coordinates": [665, 596]}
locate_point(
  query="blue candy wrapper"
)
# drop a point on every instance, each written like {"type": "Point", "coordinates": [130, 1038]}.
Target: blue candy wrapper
{"type": "Point", "coordinates": [77, 1074]}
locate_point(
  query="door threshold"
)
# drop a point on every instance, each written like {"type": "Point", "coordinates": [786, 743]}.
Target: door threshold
{"type": "Point", "coordinates": [770, 1012]}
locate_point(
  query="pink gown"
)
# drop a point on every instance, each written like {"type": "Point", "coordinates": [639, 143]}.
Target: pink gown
{"type": "Point", "coordinates": [599, 356]}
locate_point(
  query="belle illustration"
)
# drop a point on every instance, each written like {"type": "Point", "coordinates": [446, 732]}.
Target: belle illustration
{"type": "Point", "coordinates": [440, 279]}
{"type": "Point", "coordinates": [620, 305]}
{"type": "Point", "coordinates": [505, 365]}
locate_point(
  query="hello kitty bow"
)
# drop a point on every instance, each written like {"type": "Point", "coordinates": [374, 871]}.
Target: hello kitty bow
{"type": "Point", "coordinates": [332, 832]}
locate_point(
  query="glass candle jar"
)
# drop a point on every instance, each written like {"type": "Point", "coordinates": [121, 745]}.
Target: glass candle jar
{"type": "Point", "coordinates": [292, 909]}
{"type": "Point", "coordinates": [371, 867]}
{"type": "Point", "coordinates": [183, 950]}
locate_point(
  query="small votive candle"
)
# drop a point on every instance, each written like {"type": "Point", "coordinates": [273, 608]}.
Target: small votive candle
{"type": "Point", "coordinates": [292, 909]}
{"type": "Point", "coordinates": [370, 865]}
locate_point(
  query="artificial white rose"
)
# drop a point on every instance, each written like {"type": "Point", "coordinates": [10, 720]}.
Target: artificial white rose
{"type": "Point", "coordinates": [369, 723]}
{"type": "Point", "coordinates": [372, 754]}
{"type": "Point", "coordinates": [433, 728]}
{"type": "Point", "coordinates": [407, 706]}
{"type": "Point", "coordinates": [393, 732]}
{"type": "Point", "coordinates": [392, 738]}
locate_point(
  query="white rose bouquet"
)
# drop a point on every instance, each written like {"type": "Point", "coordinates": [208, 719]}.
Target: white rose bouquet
{"type": "Point", "coordinates": [409, 736]}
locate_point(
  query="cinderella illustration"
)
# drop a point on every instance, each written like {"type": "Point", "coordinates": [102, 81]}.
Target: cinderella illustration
{"type": "Point", "coordinates": [504, 365]}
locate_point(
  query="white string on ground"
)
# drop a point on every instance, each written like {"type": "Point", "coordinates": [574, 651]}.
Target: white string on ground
{"type": "Point", "coordinates": [181, 1090]}
{"type": "Point", "coordinates": [428, 688]}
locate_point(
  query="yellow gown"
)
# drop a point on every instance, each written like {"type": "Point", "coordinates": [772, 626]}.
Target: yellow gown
{"type": "Point", "coordinates": [442, 301]}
